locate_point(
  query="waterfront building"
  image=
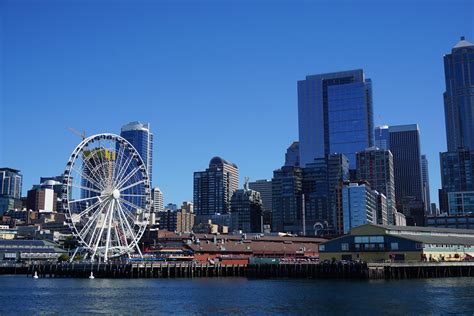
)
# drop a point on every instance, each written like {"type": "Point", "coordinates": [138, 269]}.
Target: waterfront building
{"type": "Point", "coordinates": [382, 137]}
{"type": "Point", "coordinates": [334, 115]}
{"type": "Point", "coordinates": [27, 250]}
{"type": "Point", "coordinates": [10, 189]}
{"type": "Point", "coordinates": [42, 199]}
{"type": "Point", "coordinates": [426, 183]}
{"type": "Point", "coordinates": [459, 96]}
{"type": "Point", "coordinates": [213, 188]}
{"type": "Point", "coordinates": [247, 211]}
{"type": "Point", "coordinates": [139, 135]}
{"type": "Point", "coordinates": [292, 156]}
{"type": "Point", "coordinates": [157, 196]}
{"type": "Point", "coordinates": [286, 199]}
{"type": "Point", "coordinates": [406, 149]}
{"type": "Point", "coordinates": [375, 166]}
{"type": "Point", "coordinates": [359, 205]}
{"type": "Point", "coordinates": [381, 243]}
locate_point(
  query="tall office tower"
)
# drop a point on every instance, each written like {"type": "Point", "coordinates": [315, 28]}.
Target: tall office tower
{"type": "Point", "coordinates": [286, 199]}
{"type": "Point", "coordinates": [264, 187]}
{"type": "Point", "coordinates": [335, 115]}
{"type": "Point", "coordinates": [10, 189]}
{"type": "Point", "coordinates": [322, 180]}
{"type": "Point", "coordinates": [247, 211]}
{"type": "Point", "coordinates": [459, 96]}
{"type": "Point", "coordinates": [292, 156]}
{"type": "Point", "coordinates": [213, 189]}
{"type": "Point", "coordinates": [359, 204]}
{"type": "Point", "coordinates": [375, 166]}
{"type": "Point", "coordinates": [157, 199]}
{"type": "Point", "coordinates": [139, 135]}
{"type": "Point", "coordinates": [457, 180]}
{"type": "Point", "coordinates": [426, 183]}
{"type": "Point", "coordinates": [406, 150]}
{"type": "Point", "coordinates": [382, 138]}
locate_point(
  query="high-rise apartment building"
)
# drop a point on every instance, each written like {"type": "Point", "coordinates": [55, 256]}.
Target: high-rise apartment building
{"type": "Point", "coordinates": [459, 96]}
{"type": "Point", "coordinates": [322, 180]}
{"type": "Point", "coordinates": [287, 185]}
{"type": "Point", "coordinates": [359, 204]}
{"type": "Point", "coordinates": [157, 196]}
{"type": "Point", "coordinates": [334, 115]}
{"type": "Point", "coordinates": [247, 211]}
{"type": "Point", "coordinates": [375, 166]}
{"type": "Point", "coordinates": [42, 199]}
{"type": "Point", "coordinates": [213, 188]}
{"type": "Point", "coordinates": [457, 180]}
{"type": "Point", "coordinates": [10, 189]}
{"type": "Point", "coordinates": [406, 149]}
{"type": "Point", "coordinates": [138, 134]}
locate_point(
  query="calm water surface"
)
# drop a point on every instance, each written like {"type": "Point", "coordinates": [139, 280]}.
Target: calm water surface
{"type": "Point", "coordinates": [26, 296]}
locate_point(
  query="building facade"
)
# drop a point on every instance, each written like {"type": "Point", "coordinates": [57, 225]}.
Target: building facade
{"type": "Point", "coordinates": [375, 166]}
{"type": "Point", "coordinates": [213, 188]}
{"type": "Point", "coordinates": [459, 96]}
{"type": "Point", "coordinates": [406, 149]}
{"type": "Point", "coordinates": [264, 187]}
{"type": "Point", "coordinates": [334, 115]}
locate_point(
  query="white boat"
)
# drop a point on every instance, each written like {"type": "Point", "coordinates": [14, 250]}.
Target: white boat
{"type": "Point", "coordinates": [36, 275]}
{"type": "Point", "coordinates": [91, 276]}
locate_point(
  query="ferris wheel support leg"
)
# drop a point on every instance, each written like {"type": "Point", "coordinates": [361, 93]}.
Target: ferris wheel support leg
{"type": "Point", "coordinates": [139, 251]}
{"type": "Point", "coordinates": [74, 255]}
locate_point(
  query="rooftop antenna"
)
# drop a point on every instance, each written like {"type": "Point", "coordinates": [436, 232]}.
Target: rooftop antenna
{"type": "Point", "coordinates": [83, 135]}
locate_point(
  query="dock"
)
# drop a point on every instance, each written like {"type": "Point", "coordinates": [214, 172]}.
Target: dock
{"type": "Point", "coordinates": [325, 270]}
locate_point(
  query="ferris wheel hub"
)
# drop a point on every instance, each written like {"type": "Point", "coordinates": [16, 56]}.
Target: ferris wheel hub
{"type": "Point", "coordinates": [116, 194]}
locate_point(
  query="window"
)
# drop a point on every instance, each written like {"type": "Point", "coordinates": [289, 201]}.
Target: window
{"type": "Point", "coordinates": [322, 247]}
{"type": "Point", "coordinates": [394, 245]}
{"type": "Point", "coordinates": [344, 246]}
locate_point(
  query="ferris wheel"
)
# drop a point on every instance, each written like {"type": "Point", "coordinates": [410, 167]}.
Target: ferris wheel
{"type": "Point", "coordinates": [107, 196]}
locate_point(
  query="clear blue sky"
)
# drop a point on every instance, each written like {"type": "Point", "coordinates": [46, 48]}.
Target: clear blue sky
{"type": "Point", "coordinates": [212, 78]}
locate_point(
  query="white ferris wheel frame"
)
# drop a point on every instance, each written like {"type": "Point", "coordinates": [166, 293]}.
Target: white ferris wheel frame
{"type": "Point", "coordinates": [123, 220]}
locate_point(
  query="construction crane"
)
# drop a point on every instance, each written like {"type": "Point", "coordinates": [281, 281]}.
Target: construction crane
{"type": "Point", "coordinates": [83, 135]}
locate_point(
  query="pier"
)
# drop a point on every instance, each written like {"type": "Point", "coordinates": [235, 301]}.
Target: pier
{"type": "Point", "coordinates": [334, 270]}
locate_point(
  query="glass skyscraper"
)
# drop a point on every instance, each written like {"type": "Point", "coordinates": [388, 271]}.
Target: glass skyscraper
{"type": "Point", "coordinates": [406, 149]}
{"type": "Point", "coordinates": [382, 138]}
{"type": "Point", "coordinates": [335, 115]}
{"type": "Point", "coordinates": [139, 135]}
{"type": "Point", "coordinates": [10, 189]}
{"type": "Point", "coordinates": [459, 96]}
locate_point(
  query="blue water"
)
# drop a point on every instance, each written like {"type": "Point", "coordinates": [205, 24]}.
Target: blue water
{"type": "Point", "coordinates": [26, 296]}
